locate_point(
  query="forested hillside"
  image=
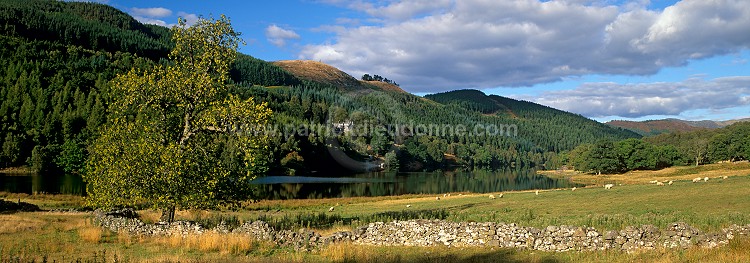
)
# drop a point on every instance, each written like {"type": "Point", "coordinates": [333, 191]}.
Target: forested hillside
{"type": "Point", "coordinates": [58, 58]}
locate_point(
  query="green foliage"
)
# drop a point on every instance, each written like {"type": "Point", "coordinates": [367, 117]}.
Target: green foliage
{"type": "Point", "coordinates": [170, 129]}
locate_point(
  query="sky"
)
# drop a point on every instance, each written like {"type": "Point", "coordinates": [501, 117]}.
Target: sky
{"type": "Point", "coordinates": [603, 59]}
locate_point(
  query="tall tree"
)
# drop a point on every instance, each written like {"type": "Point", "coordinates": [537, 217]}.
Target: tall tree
{"type": "Point", "coordinates": [177, 137]}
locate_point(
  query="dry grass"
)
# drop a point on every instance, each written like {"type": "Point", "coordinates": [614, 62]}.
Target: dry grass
{"type": "Point", "coordinates": [10, 224]}
{"type": "Point", "coordinates": [91, 234]}
{"type": "Point", "coordinates": [224, 244]}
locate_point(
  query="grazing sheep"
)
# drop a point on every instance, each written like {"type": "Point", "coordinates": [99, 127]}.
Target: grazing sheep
{"type": "Point", "coordinates": [697, 180]}
{"type": "Point", "coordinates": [536, 192]}
{"type": "Point", "coordinates": [492, 196]}
{"type": "Point", "coordinates": [445, 195]}
{"type": "Point", "coordinates": [574, 189]}
{"type": "Point", "coordinates": [670, 182]}
{"type": "Point", "coordinates": [437, 198]}
{"type": "Point", "coordinates": [330, 209]}
{"type": "Point", "coordinates": [449, 195]}
{"type": "Point", "coordinates": [653, 182]}
{"type": "Point", "coordinates": [407, 206]}
{"type": "Point", "coordinates": [725, 177]}
{"type": "Point", "coordinates": [608, 186]}
{"type": "Point", "coordinates": [460, 194]}
{"type": "Point", "coordinates": [500, 196]}
{"type": "Point", "coordinates": [705, 179]}
{"type": "Point", "coordinates": [659, 183]}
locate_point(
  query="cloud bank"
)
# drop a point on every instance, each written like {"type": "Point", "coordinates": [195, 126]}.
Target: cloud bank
{"type": "Point", "coordinates": [637, 100]}
{"type": "Point", "coordinates": [482, 44]}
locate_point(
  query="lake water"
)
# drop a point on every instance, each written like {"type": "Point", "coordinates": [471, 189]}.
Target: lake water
{"type": "Point", "coordinates": [383, 184]}
{"type": "Point", "coordinates": [366, 184]}
{"type": "Point", "coordinates": [39, 183]}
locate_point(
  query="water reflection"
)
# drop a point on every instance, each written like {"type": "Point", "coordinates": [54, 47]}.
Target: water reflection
{"type": "Point", "coordinates": [366, 184]}
{"type": "Point", "coordinates": [381, 184]}
{"type": "Point", "coordinates": [42, 183]}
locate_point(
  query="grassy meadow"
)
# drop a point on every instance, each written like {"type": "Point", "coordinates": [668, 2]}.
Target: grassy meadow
{"type": "Point", "coordinates": [711, 205]}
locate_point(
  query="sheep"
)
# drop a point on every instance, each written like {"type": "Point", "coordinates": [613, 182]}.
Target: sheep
{"type": "Point", "coordinates": [536, 192]}
{"type": "Point", "coordinates": [407, 206]}
{"type": "Point", "coordinates": [670, 182]}
{"type": "Point", "coordinates": [573, 190]}
{"type": "Point", "coordinates": [492, 196]}
{"type": "Point", "coordinates": [437, 198]}
{"type": "Point", "coordinates": [697, 180]}
{"type": "Point", "coordinates": [500, 196]}
{"type": "Point", "coordinates": [449, 195]}
{"type": "Point", "coordinates": [445, 195]}
{"type": "Point", "coordinates": [653, 182]}
{"type": "Point", "coordinates": [725, 177]}
{"type": "Point", "coordinates": [608, 186]}
{"type": "Point", "coordinates": [659, 183]}
{"type": "Point", "coordinates": [705, 179]}
{"type": "Point", "coordinates": [330, 209]}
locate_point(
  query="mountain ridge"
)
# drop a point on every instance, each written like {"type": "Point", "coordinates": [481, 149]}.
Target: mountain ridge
{"type": "Point", "coordinates": [669, 125]}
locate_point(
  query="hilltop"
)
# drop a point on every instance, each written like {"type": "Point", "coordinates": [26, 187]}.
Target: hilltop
{"type": "Point", "coordinates": [328, 75]}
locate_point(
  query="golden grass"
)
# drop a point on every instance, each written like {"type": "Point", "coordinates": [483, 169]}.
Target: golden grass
{"type": "Point", "coordinates": [224, 244]}
{"type": "Point", "coordinates": [92, 234]}
{"type": "Point", "coordinates": [10, 224]}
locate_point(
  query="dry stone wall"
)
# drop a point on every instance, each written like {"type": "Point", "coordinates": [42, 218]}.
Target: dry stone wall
{"type": "Point", "coordinates": [456, 234]}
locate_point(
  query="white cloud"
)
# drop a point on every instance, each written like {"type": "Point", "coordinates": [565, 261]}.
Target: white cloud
{"type": "Point", "coordinates": [637, 100]}
{"type": "Point", "coordinates": [482, 44]}
{"type": "Point", "coordinates": [157, 15]}
{"type": "Point", "coordinates": [190, 19]}
{"type": "Point", "coordinates": [152, 21]}
{"type": "Point", "coordinates": [152, 12]}
{"type": "Point", "coordinates": [278, 36]}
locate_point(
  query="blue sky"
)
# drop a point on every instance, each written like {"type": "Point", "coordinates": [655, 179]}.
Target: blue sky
{"type": "Point", "coordinates": [604, 59]}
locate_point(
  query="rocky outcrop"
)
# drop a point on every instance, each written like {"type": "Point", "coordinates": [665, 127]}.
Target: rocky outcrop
{"type": "Point", "coordinates": [455, 234]}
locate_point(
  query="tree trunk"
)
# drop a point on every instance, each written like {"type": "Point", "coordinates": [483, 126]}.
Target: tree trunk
{"type": "Point", "coordinates": [167, 214]}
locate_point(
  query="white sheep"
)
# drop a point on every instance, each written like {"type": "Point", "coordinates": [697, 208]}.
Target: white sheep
{"type": "Point", "coordinates": [659, 183]}
{"type": "Point", "coordinates": [407, 206]}
{"type": "Point", "coordinates": [725, 177]}
{"type": "Point", "coordinates": [500, 196]}
{"type": "Point", "coordinates": [573, 190]}
{"type": "Point", "coordinates": [653, 182]}
{"type": "Point", "coordinates": [705, 179]}
{"type": "Point", "coordinates": [437, 198]}
{"type": "Point", "coordinates": [536, 192]}
{"type": "Point", "coordinates": [492, 196]}
{"type": "Point", "coordinates": [697, 180]}
{"type": "Point", "coordinates": [670, 182]}
{"type": "Point", "coordinates": [445, 195]}
{"type": "Point", "coordinates": [608, 186]}
{"type": "Point", "coordinates": [330, 209]}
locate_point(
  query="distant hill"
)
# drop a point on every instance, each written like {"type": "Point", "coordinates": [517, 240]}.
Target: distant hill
{"type": "Point", "coordinates": [655, 127]}
{"type": "Point", "coordinates": [540, 121]}
{"type": "Point", "coordinates": [328, 75]}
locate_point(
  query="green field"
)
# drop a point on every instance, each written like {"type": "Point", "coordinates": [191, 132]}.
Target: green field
{"type": "Point", "coordinates": [712, 205]}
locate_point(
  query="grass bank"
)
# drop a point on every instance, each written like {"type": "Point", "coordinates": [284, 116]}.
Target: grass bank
{"type": "Point", "coordinates": [709, 205]}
